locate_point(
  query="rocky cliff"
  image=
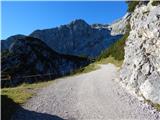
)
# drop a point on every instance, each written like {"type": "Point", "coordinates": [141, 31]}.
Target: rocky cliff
{"type": "Point", "coordinates": [141, 68]}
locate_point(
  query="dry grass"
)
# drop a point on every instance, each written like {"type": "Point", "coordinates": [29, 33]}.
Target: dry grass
{"type": "Point", "coordinates": [23, 92]}
{"type": "Point", "coordinates": [110, 59]}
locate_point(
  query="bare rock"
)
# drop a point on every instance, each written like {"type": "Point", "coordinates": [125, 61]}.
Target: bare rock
{"type": "Point", "coordinates": [141, 67]}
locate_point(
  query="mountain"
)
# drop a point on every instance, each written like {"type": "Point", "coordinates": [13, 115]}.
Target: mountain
{"type": "Point", "coordinates": [141, 68]}
{"type": "Point", "coordinates": [5, 44]}
{"type": "Point", "coordinates": [30, 56]}
{"type": "Point", "coordinates": [77, 38]}
{"type": "Point", "coordinates": [53, 51]}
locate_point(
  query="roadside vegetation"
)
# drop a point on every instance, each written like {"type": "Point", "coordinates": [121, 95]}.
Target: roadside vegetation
{"type": "Point", "coordinates": [12, 98]}
{"type": "Point", "coordinates": [112, 60]}
{"type": "Point", "coordinates": [89, 68]}
{"type": "Point", "coordinates": [155, 105]}
{"type": "Point", "coordinates": [115, 53]}
{"type": "Point", "coordinates": [132, 5]}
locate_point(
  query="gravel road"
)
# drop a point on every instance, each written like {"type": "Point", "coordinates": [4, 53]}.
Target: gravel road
{"type": "Point", "coordinates": [91, 96]}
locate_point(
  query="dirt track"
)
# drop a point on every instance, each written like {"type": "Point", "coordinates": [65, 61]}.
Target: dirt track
{"type": "Point", "coordinates": [90, 96]}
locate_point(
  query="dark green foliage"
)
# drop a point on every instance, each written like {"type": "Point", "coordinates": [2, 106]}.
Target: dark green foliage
{"type": "Point", "coordinates": [155, 3]}
{"type": "Point", "coordinates": [4, 53]}
{"type": "Point", "coordinates": [128, 27]}
{"type": "Point", "coordinates": [132, 5]}
{"type": "Point", "coordinates": [116, 50]}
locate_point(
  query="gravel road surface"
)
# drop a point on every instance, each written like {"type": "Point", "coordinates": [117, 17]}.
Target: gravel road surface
{"type": "Point", "coordinates": [91, 96]}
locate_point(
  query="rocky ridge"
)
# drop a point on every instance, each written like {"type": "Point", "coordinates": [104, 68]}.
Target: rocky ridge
{"type": "Point", "coordinates": [78, 38]}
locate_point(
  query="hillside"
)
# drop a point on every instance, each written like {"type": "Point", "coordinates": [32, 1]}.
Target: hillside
{"type": "Point", "coordinates": [30, 56]}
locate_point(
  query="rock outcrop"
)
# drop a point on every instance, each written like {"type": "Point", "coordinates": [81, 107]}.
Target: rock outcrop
{"type": "Point", "coordinates": [120, 26]}
{"type": "Point", "coordinates": [30, 56]}
{"type": "Point", "coordinates": [141, 68]}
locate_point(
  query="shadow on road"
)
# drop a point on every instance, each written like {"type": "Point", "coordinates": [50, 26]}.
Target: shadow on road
{"type": "Point", "coordinates": [9, 107]}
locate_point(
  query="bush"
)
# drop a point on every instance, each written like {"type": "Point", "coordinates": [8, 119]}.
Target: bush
{"type": "Point", "coordinates": [132, 5]}
{"type": "Point", "coordinates": [155, 3]}
{"type": "Point", "coordinates": [116, 50]}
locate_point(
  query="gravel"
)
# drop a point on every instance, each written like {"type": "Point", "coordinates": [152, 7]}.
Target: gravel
{"type": "Point", "coordinates": [91, 96]}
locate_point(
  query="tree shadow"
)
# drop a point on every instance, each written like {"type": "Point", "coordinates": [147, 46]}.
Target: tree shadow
{"type": "Point", "coordinates": [13, 111]}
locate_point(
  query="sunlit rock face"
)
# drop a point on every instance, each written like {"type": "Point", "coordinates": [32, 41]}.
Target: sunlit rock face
{"type": "Point", "coordinates": [119, 27]}
{"type": "Point", "coordinates": [78, 38]}
{"type": "Point", "coordinates": [31, 56]}
{"type": "Point", "coordinates": [141, 68]}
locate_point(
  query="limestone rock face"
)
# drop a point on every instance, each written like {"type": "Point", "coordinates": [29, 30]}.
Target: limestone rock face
{"type": "Point", "coordinates": [141, 68]}
{"type": "Point", "coordinates": [119, 26]}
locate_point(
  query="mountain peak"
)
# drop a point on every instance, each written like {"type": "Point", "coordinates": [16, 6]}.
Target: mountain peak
{"type": "Point", "coordinates": [80, 22]}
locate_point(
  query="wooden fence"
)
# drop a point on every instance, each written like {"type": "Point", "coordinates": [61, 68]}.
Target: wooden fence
{"type": "Point", "coordinates": [8, 81]}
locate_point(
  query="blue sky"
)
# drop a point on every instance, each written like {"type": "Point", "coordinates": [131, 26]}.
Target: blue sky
{"type": "Point", "coordinates": [25, 17]}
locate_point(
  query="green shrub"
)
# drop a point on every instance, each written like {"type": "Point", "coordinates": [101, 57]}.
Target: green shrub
{"type": "Point", "coordinates": [89, 68]}
{"type": "Point", "coordinates": [116, 50]}
{"type": "Point", "coordinates": [132, 5]}
{"type": "Point", "coordinates": [110, 59]}
{"type": "Point", "coordinates": [155, 3]}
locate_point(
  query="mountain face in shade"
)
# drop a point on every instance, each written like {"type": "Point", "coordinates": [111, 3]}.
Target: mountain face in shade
{"type": "Point", "coordinates": [77, 38]}
{"type": "Point", "coordinates": [31, 56]}
{"type": "Point", "coordinates": [5, 44]}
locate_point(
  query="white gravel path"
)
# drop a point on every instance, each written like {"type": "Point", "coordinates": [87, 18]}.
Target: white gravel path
{"type": "Point", "coordinates": [91, 96]}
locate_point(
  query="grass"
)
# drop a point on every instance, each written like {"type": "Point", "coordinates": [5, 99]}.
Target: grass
{"type": "Point", "coordinates": [89, 68]}
{"type": "Point", "coordinates": [115, 53]}
{"type": "Point", "coordinates": [155, 3]}
{"type": "Point", "coordinates": [116, 50]}
{"type": "Point", "coordinates": [12, 98]}
{"type": "Point", "coordinates": [23, 92]}
{"type": "Point", "coordinates": [112, 60]}
{"type": "Point", "coordinates": [155, 105]}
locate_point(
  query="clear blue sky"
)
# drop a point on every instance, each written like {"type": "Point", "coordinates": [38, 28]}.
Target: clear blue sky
{"type": "Point", "coordinates": [25, 17]}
